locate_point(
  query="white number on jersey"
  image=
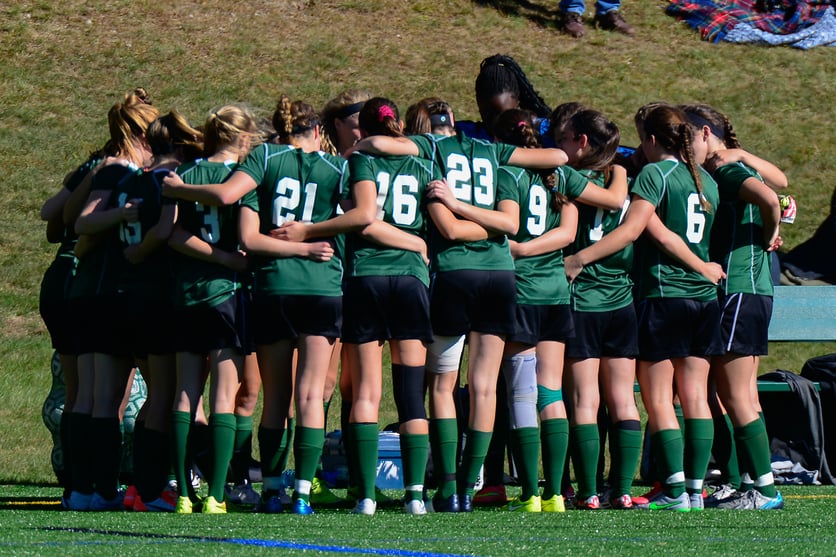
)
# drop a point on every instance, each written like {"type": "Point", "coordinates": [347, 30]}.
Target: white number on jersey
{"type": "Point", "coordinates": [538, 206]}
{"type": "Point", "coordinates": [696, 219]}
{"type": "Point", "coordinates": [459, 178]}
{"type": "Point", "coordinates": [129, 232]}
{"type": "Point", "coordinates": [597, 230]}
{"type": "Point", "coordinates": [404, 202]}
{"type": "Point", "coordinates": [211, 229]}
{"type": "Point", "coordinates": [288, 197]}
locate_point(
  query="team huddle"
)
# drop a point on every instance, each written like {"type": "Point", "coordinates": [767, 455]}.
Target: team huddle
{"type": "Point", "coordinates": [280, 258]}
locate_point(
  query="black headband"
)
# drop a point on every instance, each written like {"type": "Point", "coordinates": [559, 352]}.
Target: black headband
{"type": "Point", "coordinates": [347, 111]}
{"type": "Point", "coordinates": [439, 120]}
{"type": "Point", "coordinates": [698, 120]}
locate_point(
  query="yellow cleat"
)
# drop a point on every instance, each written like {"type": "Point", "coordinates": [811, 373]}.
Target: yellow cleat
{"type": "Point", "coordinates": [184, 506]}
{"type": "Point", "coordinates": [554, 504]}
{"type": "Point", "coordinates": [212, 506]}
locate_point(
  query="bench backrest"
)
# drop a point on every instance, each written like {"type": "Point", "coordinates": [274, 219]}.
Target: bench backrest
{"type": "Point", "coordinates": [803, 313]}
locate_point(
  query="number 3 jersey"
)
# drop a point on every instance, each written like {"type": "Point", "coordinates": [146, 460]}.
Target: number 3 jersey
{"type": "Point", "coordinates": [295, 186]}
{"type": "Point", "coordinates": [668, 185]}
{"type": "Point", "coordinates": [401, 184]}
{"type": "Point", "coordinates": [470, 167]}
{"type": "Point", "coordinates": [199, 282]}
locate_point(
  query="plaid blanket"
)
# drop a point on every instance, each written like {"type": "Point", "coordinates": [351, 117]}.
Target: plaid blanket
{"type": "Point", "coordinates": [715, 19]}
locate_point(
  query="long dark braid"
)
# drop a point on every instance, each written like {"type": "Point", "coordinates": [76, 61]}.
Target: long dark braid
{"type": "Point", "coordinates": [501, 74]}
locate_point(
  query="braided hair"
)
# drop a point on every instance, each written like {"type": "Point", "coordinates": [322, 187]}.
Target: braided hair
{"type": "Point", "coordinates": [501, 74]}
{"type": "Point", "coordinates": [516, 127]}
{"type": "Point", "coordinates": [293, 119]}
{"type": "Point", "coordinates": [703, 115]}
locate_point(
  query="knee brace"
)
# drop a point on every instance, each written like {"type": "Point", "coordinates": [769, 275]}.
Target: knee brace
{"type": "Point", "coordinates": [546, 396]}
{"type": "Point", "coordinates": [520, 374]}
{"type": "Point", "coordinates": [408, 386]}
{"type": "Point", "coordinates": [444, 354]}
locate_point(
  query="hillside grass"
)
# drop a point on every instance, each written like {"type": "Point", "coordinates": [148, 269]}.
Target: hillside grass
{"type": "Point", "coordinates": [65, 63]}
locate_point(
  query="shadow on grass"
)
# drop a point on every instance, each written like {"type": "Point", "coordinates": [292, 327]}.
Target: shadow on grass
{"type": "Point", "coordinates": [541, 13]}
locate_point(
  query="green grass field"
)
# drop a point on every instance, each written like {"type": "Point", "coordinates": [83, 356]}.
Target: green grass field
{"type": "Point", "coordinates": [30, 524]}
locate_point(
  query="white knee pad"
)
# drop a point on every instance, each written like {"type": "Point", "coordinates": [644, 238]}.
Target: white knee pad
{"type": "Point", "coordinates": [444, 354]}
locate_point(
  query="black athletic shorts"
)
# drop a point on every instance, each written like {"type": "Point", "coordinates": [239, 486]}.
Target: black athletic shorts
{"type": "Point", "coordinates": [533, 323]}
{"type": "Point", "coordinates": [386, 307]}
{"type": "Point", "coordinates": [481, 301]}
{"type": "Point", "coordinates": [744, 323]}
{"type": "Point", "coordinates": [678, 327]}
{"type": "Point", "coordinates": [278, 318]}
{"type": "Point", "coordinates": [604, 334]}
{"type": "Point", "coordinates": [203, 328]}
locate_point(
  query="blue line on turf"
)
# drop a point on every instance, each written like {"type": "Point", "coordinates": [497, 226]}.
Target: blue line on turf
{"type": "Point", "coordinates": [262, 543]}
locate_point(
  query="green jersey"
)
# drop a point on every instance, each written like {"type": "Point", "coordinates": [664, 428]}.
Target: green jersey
{"type": "Point", "coordinates": [668, 185]}
{"type": "Point", "coordinates": [151, 279]}
{"type": "Point", "coordinates": [198, 282]}
{"type": "Point", "coordinates": [540, 279]}
{"type": "Point", "coordinates": [401, 184]}
{"type": "Point", "coordinates": [98, 271]}
{"type": "Point", "coordinates": [737, 237]}
{"type": "Point", "coordinates": [604, 285]}
{"type": "Point", "coordinates": [295, 186]}
{"type": "Point", "coordinates": [470, 167]}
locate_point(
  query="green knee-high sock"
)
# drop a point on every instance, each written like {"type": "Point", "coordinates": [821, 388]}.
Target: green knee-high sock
{"type": "Point", "coordinates": [444, 438]}
{"type": "Point", "coordinates": [625, 451]}
{"type": "Point", "coordinates": [365, 437]}
{"type": "Point", "coordinates": [307, 447]}
{"type": "Point", "coordinates": [525, 444]}
{"type": "Point", "coordinates": [680, 416]}
{"type": "Point", "coordinates": [699, 437]}
{"type": "Point", "coordinates": [725, 452]}
{"type": "Point", "coordinates": [181, 423]}
{"type": "Point", "coordinates": [242, 450]}
{"type": "Point", "coordinates": [270, 444]}
{"type": "Point", "coordinates": [223, 443]}
{"type": "Point", "coordinates": [82, 452]}
{"type": "Point", "coordinates": [414, 451]}
{"type": "Point", "coordinates": [554, 438]}
{"type": "Point", "coordinates": [753, 441]}
{"type": "Point", "coordinates": [473, 457]}
{"type": "Point", "coordinates": [667, 446]}
{"type": "Point", "coordinates": [585, 441]}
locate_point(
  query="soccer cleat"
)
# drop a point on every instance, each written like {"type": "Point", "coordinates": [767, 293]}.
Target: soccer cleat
{"type": "Point", "coordinates": [490, 495]}
{"type": "Point", "coordinates": [270, 502]}
{"type": "Point", "coordinates": [622, 502]}
{"type": "Point", "coordinates": [300, 506]}
{"type": "Point", "coordinates": [415, 506]}
{"type": "Point", "coordinates": [242, 494]}
{"type": "Point", "coordinates": [719, 495]}
{"type": "Point", "coordinates": [445, 504]}
{"type": "Point", "coordinates": [365, 506]}
{"type": "Point", "coordinates": [213, 506]}
{"type": "Point", "coordinates": [753, 500]}
{"type": "Point", "coordinates": [116, 503]}
{"type": "Point", "coordinates": [645, 498]}
{"type": "Point", "coordinates": [696, 501]}
{"type": "Point", "coordinates": [130, 496]}
{"type": "Point", "coordinates": [184, 506]}
{"type": "Point", "coordinates": [554, 504]}
{"type": "Point", "coordinates": [661, 502]}
{"type": "Point", "coordinates": [321, 495]}
{"type": "Point", "coordinates": [165, 503]}
{"type": "Point", "coordinates": [531, 505]}
{"type": "Point", "coordinates": [591, 503]}
{"type": "Point", "coordinates": [466, 503]}
{"type": "Point", "coordinates": [78, 501]}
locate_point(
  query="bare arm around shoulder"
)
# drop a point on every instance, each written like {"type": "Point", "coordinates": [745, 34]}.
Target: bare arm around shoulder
{"type": "Point", "coordinates": [504, 220]}
{"type": "Point", "coordinates": [674, 246]}
{"type": "Point", "coordinates": [635, 221]}
{"type": "Point", "coordinates": [612, 197]}
{"type": "Point", "coordinates": [758, 193]}
{"type": "Point", "coordinates": [225, 193]}
{"type": "Point", "coordinates": [190, 245]}
{"type": "Point", "coordinates": [772, 176]}
{"type": "Point", "coordinates": [95, 217]}
{"type": "Point", "coordinates": [384, 145]}
{"type": "Point", "coordinates": [391, 236]}
{"type": "Point", "coordinates": [52, 212]}
{"type": "Point", "coordinates": [538, 159]}
{"type": "Point", "coordinates": [452, 228]}
{"type": "Point", "coordinates": [255, 242]}
{"type": "Point", "coordinates": [554, 239]}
